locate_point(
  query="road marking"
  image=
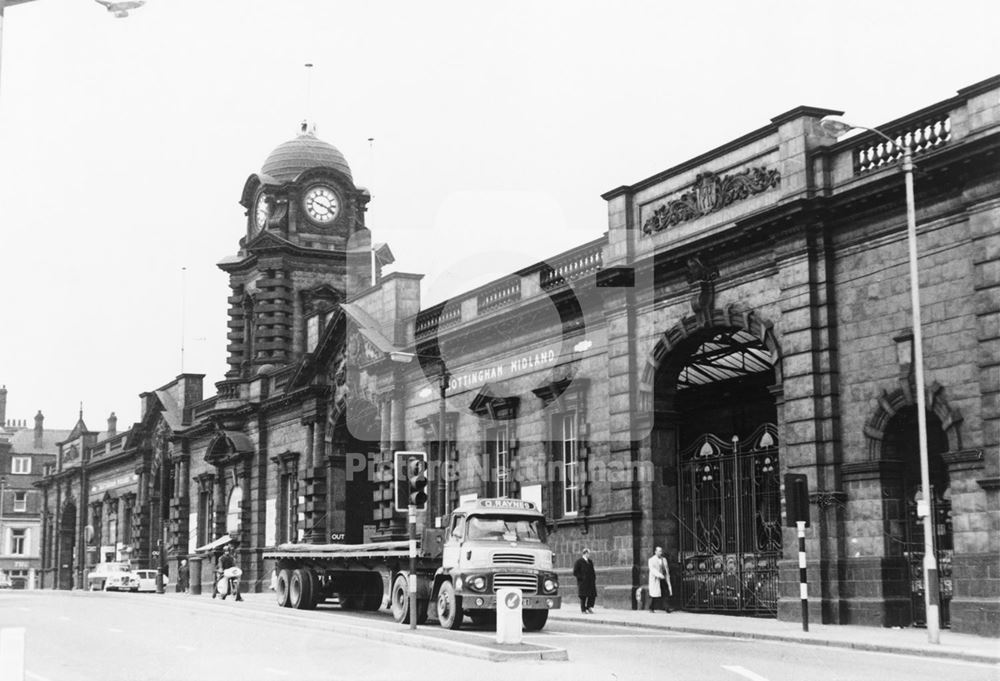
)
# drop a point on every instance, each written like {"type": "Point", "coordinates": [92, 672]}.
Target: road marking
{"type": "Point", "coordinates": [279, 672]}
{"type": "Point", "coordinates": [36, 677]}
{"type": "Point", "coordinates": [743, 671]}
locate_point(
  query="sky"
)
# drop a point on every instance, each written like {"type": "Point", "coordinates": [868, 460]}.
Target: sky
{"type": "Point", "coordinates": [485, 131]}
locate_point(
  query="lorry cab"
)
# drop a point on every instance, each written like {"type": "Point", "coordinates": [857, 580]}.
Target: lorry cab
{"type": "Point", "coordinates": [491, 544]}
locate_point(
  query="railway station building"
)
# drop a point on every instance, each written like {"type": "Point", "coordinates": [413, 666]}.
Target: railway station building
{"type": "Point", "coordinates": [746, 315]}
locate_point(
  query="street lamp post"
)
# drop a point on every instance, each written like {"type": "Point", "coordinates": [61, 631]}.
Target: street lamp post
{"type": "Point", "coordinates": [931, 593]}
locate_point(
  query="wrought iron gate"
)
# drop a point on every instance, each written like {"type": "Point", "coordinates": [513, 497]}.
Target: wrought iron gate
{"type": "Point", "coordinates": [943, 549]}
{"type": "Point", "coordinates": [730, 513]}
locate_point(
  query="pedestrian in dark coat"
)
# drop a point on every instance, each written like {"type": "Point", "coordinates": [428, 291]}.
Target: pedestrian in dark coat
{"type": "Point", "coordinates": [586, 582]}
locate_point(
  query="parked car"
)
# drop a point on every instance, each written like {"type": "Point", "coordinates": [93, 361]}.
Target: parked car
{"type": "Point", "coordinates": [147, 579]}
{"type": "Point", "coordinates": [112, 577]}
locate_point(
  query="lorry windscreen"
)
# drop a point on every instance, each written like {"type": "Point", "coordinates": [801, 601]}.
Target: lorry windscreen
{"type": "Point", "coordinates": [505, 528]}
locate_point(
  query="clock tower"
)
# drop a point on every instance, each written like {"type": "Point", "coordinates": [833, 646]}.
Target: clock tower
{"type": "Point", "coordinates": [306, 248]}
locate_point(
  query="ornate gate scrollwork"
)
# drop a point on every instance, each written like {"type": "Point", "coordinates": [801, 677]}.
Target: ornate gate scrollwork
{"type": "Point", "coordinates": [730, 513]}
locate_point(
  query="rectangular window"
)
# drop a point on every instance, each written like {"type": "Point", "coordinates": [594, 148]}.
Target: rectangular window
{"type": "Point", "coordinates": [20, 465]}
{"type": "Point", "coordinates": [498, 455]}
{"type": "Point", "coordinates": [286, 509]}
{"type": "Point", "coordinates": [204, 518]}
{"type": "Point", "coordinates": [20, 502]}
{"type": "Point", "coordinates": [568, 453]}
{"type": "Point", "coordinates": [18, 541]}
{"type": "Point", "coordinates": [127, 524]}
{"type": "Point", "coordinates": [312, 333]}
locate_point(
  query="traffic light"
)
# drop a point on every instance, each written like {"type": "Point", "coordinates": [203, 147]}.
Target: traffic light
{"type": "Point", "coordinates": [416, 474]}
{"type": "Point", "coordinates": [404, 477]}
{"type": "Point", "coordinates": [796, 489]}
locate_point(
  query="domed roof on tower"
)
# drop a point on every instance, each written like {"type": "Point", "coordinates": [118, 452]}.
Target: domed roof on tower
{"type": "Point", "coordinates": [289, 160]}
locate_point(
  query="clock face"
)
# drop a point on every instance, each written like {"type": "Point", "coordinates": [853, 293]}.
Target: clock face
{"type": "Point", "coordinates": [262, 210]}
{"type": "Point", "coordinates": [321, 204]}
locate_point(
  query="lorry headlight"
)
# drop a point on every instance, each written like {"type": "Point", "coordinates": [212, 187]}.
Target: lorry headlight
{"type": "Point", "coordinates": [550, 585]}
{"type": "Point", "coordinates": [477, 583]}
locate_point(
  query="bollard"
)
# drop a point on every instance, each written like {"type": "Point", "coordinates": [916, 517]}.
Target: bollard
{"type": "Point", "coordinates": [194, 575]}
{"type": "Point", "coordinates": [509, 620]}
{"type": "Point", "coordinates": [12, 654]}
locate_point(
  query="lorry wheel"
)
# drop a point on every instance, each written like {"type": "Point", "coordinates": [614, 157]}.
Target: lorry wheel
{"type": "Point", "coordinates": [399, 600]}
{"type": "Point", "coordinates": [449, 607]}
{"type": "Point", "coordinates": [300, 590]}
{"type": "Point", "coordinates": [534, 620]}
{"type": "Point", "coordinates": [281, 587]}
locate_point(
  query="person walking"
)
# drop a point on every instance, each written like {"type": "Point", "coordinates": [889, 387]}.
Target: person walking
{"type": "Point", "coordinates": [183, 576]}
{"type": "Point", "coordinates": [586, 582]}
{"type": "Point", "coordinates": [659, 581]}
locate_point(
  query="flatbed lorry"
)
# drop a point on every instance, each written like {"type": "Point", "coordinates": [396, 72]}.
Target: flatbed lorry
{"type": "Point", "coordinates": [486, 545]}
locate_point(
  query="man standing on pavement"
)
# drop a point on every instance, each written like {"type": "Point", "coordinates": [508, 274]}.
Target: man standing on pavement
{"type": "Point", "coordinates": [659, 581]}
{"type": "Point", "coordinates": [586, 582]}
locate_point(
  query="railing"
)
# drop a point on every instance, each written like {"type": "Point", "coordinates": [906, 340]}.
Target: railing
{"type": "Point", "coordinates": [568, 269]}
{"type": "Point", "coordinates": [437, 317]}
{"type": "Point", "coordinates": [920, 136]}
{"type": "Point", "coordinates": [499, 295]}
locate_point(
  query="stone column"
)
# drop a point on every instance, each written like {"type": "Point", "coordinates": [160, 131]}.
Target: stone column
{"type": "Point", "coordinates": [810, 432]}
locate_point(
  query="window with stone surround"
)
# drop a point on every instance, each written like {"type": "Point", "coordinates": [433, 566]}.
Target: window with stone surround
{"type": "Point", "coordinates": [20, 465]}
{"type": "Point", "coordinates": [20, 502]}
{"type": "Point", "coordinates": [287, 501]}
{"type": "Point", "coordinates": [566, 451]}
{"type": "Point", "coordinates": [18, 541]}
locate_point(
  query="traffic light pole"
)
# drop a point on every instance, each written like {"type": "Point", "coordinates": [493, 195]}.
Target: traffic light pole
{"type": "Point", "coordinates": [413, 565]}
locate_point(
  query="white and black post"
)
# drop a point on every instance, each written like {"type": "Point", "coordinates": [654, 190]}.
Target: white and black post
{"type": "Point", "coordinates": [413, 566]}
{"type": "Point", "coordinates": [803, 584]}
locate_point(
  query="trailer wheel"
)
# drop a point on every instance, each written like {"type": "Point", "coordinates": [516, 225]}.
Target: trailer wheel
{"type": "Point", "coordinates": [281, 587]}
{"type": "Point", "coordinates": [449, 607]}
{"type": "Point", "coordinates": [534, 620]}
{"type": "Point", "coordinates": [371, 592]}
{"type": "Point", "coordinates": [300, 592]}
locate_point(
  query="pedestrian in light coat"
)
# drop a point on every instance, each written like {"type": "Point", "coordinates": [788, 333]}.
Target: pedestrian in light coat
{"type": "Point", "coordinates": [586, 582]}
{"type": "Point", "coordinates": [659, 581]}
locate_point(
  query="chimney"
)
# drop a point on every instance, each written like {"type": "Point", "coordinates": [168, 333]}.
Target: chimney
{"type": "Point", "coordinates": [3, 406]}
{"type": "Point", "coordinates": [39, 430]}
{"type": "Point", "coordinates": [112, 425]}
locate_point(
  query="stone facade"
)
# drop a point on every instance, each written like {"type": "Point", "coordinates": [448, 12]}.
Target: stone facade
{"type": "Point", "coordinates": [746, 315]}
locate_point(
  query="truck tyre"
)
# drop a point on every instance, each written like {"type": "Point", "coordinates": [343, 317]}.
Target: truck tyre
{"type": "Point", "coordinates": [534, 620]}
{"type": "Point", "coordinates": [300, 594]}
{"type": "Point", "coordinates": [399, 600]}
{"type": "Point", "coordinates": [281, 587]}
{"type": "Point", "coordinates": [449, 607]}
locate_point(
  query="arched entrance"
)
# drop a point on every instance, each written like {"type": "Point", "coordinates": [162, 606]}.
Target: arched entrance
{"type": "Point", "coordinates": [901, 444]}
{"type": "Point", "coordinates": [715, 428]}
{"type": "Point", "coordinates": [67, 545]}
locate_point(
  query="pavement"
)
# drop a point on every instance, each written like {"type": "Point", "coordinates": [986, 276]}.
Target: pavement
{"type": "Point", "coordinates": [909, 641]}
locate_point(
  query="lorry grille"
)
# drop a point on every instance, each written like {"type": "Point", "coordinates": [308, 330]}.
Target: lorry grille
{"type": "Point", "coordinates": [526, 583]}
{"type": "Point", "coordinates": [519, 558]}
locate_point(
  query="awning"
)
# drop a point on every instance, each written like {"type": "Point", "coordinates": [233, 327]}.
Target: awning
{"type": "Point", "coordinates": [236, 442]}
{"type": "Point", "coordinates": [221, 541]}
